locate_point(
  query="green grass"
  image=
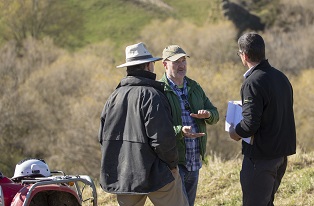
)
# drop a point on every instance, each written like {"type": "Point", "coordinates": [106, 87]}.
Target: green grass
{"type": "Point", "coordinates": [118, 20]}
{"type": "Point", "coordinates": [219, 184]}
{"type": "Point", "coordinates": [196, 11]}
{"type": "Point", "coordinates": [121, 21]}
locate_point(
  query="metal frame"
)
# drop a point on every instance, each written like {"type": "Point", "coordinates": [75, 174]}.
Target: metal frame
{"type": "Point", "coordinates": [1, 197]}
{"type": "Point", "coordinates": [65, 179]}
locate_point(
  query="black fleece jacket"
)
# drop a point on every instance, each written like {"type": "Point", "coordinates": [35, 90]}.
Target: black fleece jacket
{"type": "Point", "coordinates": [267, 104]}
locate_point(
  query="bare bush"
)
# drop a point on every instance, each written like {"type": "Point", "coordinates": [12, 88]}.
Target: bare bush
{"type": "Point", "coordinates": [40, 18]}
{"type": "Point", "coordinates": [293, 14]}
{"type": "Point", "coordinates": [15, 71]}
{"type": "Point", "coordinates": [70, 96]}
{"type": "Point", "coordinates": [53, 109]}
{"type": "Point", "coordinates": [221, 83]}
{"type": "Point", "coordinates": [303, 109]}
{"type": "Point", "coordinates": [292, 51]}
{"type": "Point", "coordinates": [212, 44]}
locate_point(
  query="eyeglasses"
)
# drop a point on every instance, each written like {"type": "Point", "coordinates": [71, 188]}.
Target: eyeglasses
{"type": "Point", "coordinates": [186, 103]}
{"type": "Point", "coordinates": [239, 53]}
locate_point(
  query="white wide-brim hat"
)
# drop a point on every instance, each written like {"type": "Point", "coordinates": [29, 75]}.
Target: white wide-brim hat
{"type": "Point", "coordinates": [137, 54]}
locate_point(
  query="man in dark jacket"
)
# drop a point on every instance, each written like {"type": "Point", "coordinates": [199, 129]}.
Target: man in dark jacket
{"type": "Point", "coordinates": [139, 153]}
{"type": "Point", "coordinates": [268, 119]}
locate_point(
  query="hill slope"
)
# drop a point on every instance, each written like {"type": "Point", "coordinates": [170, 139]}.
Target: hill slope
{"type": "Point", "coordinates": [219, 184]}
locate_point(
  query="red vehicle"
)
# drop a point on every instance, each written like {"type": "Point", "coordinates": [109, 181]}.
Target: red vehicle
{"type": "Point", "coordinates": [33, 184]}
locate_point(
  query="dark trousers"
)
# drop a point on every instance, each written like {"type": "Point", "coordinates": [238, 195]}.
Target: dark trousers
{"type": "Point", "coordinates": [260, 180]}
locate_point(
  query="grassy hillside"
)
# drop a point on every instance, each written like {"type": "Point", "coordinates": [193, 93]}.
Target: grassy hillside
{"type": "Point", "coordinates": [94, 21]}
{"type": "Point", "coordinates": [219, 184]}
{"type": "Point", "coordinates": [117, 20]}
{"type": "Point", "coordinates": [52, 90]}
{"type": "Point", "coordinates": [121, 20]}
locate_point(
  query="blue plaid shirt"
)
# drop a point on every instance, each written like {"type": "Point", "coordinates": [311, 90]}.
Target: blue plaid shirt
{"type": "Point", "coordinates": [192, 154]}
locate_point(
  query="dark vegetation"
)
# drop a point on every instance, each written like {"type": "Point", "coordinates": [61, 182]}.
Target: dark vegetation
{"type": "Point", "coordinates": [241, 18]}
{"type": "Point", "coordinates": [58, 58]}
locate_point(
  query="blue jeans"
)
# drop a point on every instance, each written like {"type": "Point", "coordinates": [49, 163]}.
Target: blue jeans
{"type": "Point", "coordinates": [189, 183]}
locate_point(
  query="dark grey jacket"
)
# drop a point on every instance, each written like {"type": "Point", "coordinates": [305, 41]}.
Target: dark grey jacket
{"type": "Point", "coordinates": [137, 138]}
{"type": "Point", "coordinates": [267, 104]}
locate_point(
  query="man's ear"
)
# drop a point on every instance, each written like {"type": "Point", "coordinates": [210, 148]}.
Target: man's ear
{"type": "Point", "coordinates": [147, 67]}
{"type": "Point", "coordinates": [246, 58]}
{"type": "Point", "coordinates": [164, 63]}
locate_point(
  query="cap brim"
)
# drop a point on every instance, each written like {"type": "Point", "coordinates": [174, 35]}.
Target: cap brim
{"type": "Point", "coordinates": [137, 62]}
{"type": "Point", "coordinates": [176, 57]}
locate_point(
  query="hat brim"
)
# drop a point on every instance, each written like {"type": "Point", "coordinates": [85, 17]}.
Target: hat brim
{"type": "Point", "coordinates": [175, 57]}
{"type": "Point", "coordinates": [137, 62]}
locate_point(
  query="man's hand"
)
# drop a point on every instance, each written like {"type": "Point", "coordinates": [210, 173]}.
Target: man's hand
{"type": "Point", "coordinates": [187, 132]}
{"type": "Point", "coordinates": [201, 114]}
{"type": "Point", "coordinates": [174, 170]}
{"type": "Point", "coordinates": [232, 133]}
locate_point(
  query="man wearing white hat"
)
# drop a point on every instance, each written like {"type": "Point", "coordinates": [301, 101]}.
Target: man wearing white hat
{"type": "Point", "coordinates": [139, 153]}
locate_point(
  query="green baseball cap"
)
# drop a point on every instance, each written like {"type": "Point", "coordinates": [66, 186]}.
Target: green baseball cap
{"type": "Point", "coordinates": [173, 53]}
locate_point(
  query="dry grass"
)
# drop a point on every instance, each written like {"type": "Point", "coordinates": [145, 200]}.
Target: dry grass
{"type": "Point", "coordinates": [219, 184]}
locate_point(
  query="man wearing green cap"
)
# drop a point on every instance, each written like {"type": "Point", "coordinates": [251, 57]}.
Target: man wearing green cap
{"type": "Point", "coordinates": [191, 110]}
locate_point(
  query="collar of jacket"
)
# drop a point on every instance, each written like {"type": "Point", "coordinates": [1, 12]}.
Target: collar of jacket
{"type": "Point", "coordinates": [262, 65]}
{"type": "Point", "coordinates": [142, 78]}
{"type": "Point", "coordinates": [142, 73]}
{"type": "Point", "coordinates": [190, 83]}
